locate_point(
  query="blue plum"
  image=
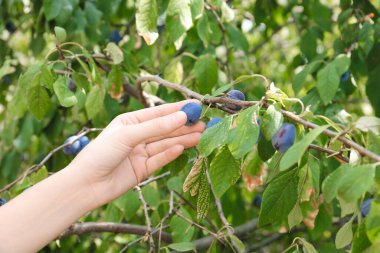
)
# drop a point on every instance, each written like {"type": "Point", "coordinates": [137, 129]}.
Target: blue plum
{"type": "Point", "coordinates": [10, 26]}
{"type": "Point", "coordinates": [257, 201]}
{"type": "Point", "coordinates": [213, 122]}
{"type": "Point", "coordinates": [366, 206]}
{"type": "Point", "coordinates": [284, 138]}
{"type": "Point", "coordinates": [193, 112]}
{"type": "Point", "coordinates": [84, 140]}
{"type": "Point", "coordinates": [236, 95]}
{"type": "Point", "coordinates": [115, 36]}
{"type": "Point", "coordinates": [345, 76]}
{"type": "Point", "coordinates": [72, 85]}
{"type": "Point", "coordinates": [2, 201]}
{"type": "Point", "coordinates": [74, 148]}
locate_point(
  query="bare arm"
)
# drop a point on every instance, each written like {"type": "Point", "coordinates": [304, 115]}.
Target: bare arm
{"type": "Point", "coordinates": [133, 146]}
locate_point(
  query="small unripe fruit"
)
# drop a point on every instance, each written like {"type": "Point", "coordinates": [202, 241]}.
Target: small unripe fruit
{"type": "Point", "coordinates": [284, 138]}
{"type": "Point", "coordinates": [72, 149]}
{"type": "Point", "coordinates": [213, 122]}
{"type": "Point", "coordinates": [257, 201]}
{"type": "Point", "coordinates": [115, 36]}
{"type": "Point", "coordinates": [84, 140]}
{"type": "Point", "coordinates": [366, 206]}
{"type": "Point", "coordinates": [345, 76]}
{"type": "Point", "coordinates": [2, 201]}
{"type": "Point", "coordinates": [236, 95]}
{"type": "Point", "coordinates": [193, 112]}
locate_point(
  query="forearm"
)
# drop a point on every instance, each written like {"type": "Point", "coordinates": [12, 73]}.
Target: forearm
{"type": "Point", "coordinates": [41, 213]}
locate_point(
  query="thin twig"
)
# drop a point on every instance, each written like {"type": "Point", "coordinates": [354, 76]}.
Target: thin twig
{"type": "Point", "coordinates": [152, 179]}
{"type": "Point", "coordinates": [147, 219]}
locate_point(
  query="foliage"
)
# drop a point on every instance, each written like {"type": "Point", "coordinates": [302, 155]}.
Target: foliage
{"type": "Point", "coordinates": [303, 47]}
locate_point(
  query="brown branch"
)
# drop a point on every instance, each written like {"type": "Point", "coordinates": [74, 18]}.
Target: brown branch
{"type": "Point", "coordinates": [219, 102]}
{"type": "Point", "coordinates": [147, 219]}
{"type": "Point", "coordinates": [38, 166]}
{"type": "Point", "coordinates": [152, 179]}
{"type": "Point", "coordinates": [333, 153]}
{"type": "Point", "coordinates": [117, 228]}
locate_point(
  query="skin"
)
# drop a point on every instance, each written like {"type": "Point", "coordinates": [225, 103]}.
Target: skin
{"type": "Point", "coordinates": [132, 147]}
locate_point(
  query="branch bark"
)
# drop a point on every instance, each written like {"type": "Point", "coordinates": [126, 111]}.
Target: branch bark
{"type": "Point", "coordinates": [117, 228]}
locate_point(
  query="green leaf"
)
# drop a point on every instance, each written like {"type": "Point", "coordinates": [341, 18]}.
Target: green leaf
{"type": "Point", "coordinates": [214, 137]}
{"type": "Point", "coordinates": [52, 8]}
{"type": "Point", "coordinates": [224, 171]}
{"type": "Point", "coordinates": [295, 216]}
{"type": "Point", "coordinates": [39, 101]}
{"type": "Point", "coordinates": [93, 15]}
{"type": "Point", "coordinates": [237, 38]}
{"type": "Point", "coordinates": [204, 30]}
{"type": "Point", "coordinates": [360, 241]}
{"type": "Point", "coordinates": [328, 78]}
{"type": "Point", "coordinates": [307, 247]}
{"type": "Point", "coordinates": [193, 178]}
{"type": "Point", "coordinates": [115, 78]}
{"type": "Point", "coordinates": [38, 176]}
{"type": "Point", "coordinates": [60, 34]}
{"type": "Point", "coordinates": [344, 235]}
{"type": "Point", "coordinates": [295, 152]}
{"type": "Point", "coordinates": [299, 79]}
{"type": "Point", "coordinates": [237, 242]}
{"type": "Point", "coordinates": [146, 20]}
{"type": "Point", "coordinates": [65, 96]}
{"type": "Point", "coordinates": [182, 246]}
{"type": "Point", "coordinates": [203, 200]}
{"type": "Point", "coordinates": [356, 181]}
{"type": "Point", "coordinates": [115, 53]}
{"type": "Point", "coordinates": [206, 73]}
{"type": "Point", "coordinates": [271, 121]}
{"type": "Point", "coordinates": [228, 14]}
{"type": "Point", "coordinates": [327, 82]}
{"type": "Point", "coordinates": [178, 20]}
{"type": "Point", "coordinates": [243, 137]}
{"type": "Point", "coordinates": [181, 230]}
{"type": "Point", "coordinates": [81, 81]}
{"type": "Point", "coordinates": [366, 37]}
{"type": "Point", "coordinates": [349, 181]}
{"type": "Point", "coordinates": [94, 102]}
{"type": "Point", "coordinates": [174, 71]}
{"type": "Point", "coordinates": [279, 197]}
{"type": "Point", "coordinates": [197, 7]}
{"type": "Point", "coordinates": [372, 222]}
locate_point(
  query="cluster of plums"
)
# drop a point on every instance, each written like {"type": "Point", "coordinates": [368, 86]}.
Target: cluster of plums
{"type": "Point", "coordinates": [281, 141]}
{"type": "Point", "coordinates": [76, 146]}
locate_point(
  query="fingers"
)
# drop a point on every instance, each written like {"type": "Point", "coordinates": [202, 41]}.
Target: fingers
{"type": "Point", "coordinates": [163, 158]}
{"type": "Point", "coordinates": [153, 112]}
{"type": "Point", "coordinates": [187, 141]}
{"type": "Point", "coordinates": [199, 128]}
{"type": "Point", "coordinates": [158, 127]}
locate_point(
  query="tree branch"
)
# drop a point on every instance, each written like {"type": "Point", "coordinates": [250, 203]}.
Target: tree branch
{"type": "Point", "coordinates": [219, 102]}
{"type": "Point", "coordinates": [112, 227]}
{"type": "Point", "coordinates": [147, 219]}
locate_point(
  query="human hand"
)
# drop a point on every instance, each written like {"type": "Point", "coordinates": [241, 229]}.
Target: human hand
{"type": "Point", "coordinates": [133, 146]}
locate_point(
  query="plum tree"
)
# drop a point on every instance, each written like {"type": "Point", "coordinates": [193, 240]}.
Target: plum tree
{"type": "Point", "coordinates": [284, 137]}
{"type": "Point", "coordinates": [193, 112]}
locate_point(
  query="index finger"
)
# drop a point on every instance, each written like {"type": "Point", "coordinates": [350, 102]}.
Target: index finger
{"type": "Point", "coordinates": [143, 115]}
